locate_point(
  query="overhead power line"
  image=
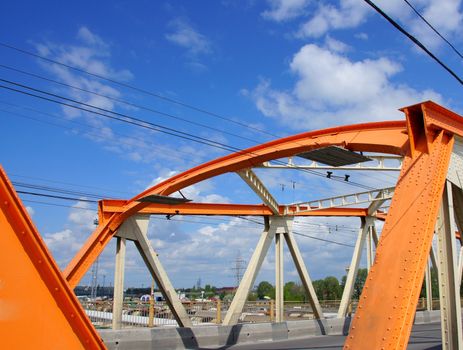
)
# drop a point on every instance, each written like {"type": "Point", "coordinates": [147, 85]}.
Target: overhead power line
{"type": "Point", "coordinates": [127, 103]}
{"type": "Point", "coordinates": [302, 234]}
{"type": "Point", "coordinates": [182, 220]}
{"type": "Point", "coordinates": [90, 130]}
{"type": "Point", "coordinates": [138, 89]}
{"type": "Point", "coordinates": [128, 119]}
{"type": "Point", "coordinates": [58, 190]}
{"type": "Point", "coordinates": [414, 40]}
{"type": "Point", "coordinates": [57, 197]}
{"type": "Point", "coordinates": [433, 28]}
{"type": "Point", "coordinates": [147, 125]}
{"type": "Point", "coordinates": [68, 192]}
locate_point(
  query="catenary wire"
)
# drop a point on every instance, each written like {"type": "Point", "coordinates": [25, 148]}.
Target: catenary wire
{"type": "Point", "coordinates": [66, 191]}
{"type": "Point", "coordinates": [125, 102]}
{"type": "Point", "coordinates": [414, 40]}
{"type": "Point", "coordinates": [140, 90]}
{"type": "Point", "coordinates": [434, 29]}
{"type": "Point", "coordinates": [152, 126]}
{"type": "Point", "coordinates": [131, 104]}
{"type": "Point", "coordinates": [116, 116]}
{"type": "Point", "coordinates": [91, 131]}
{"type": "Point", "coordinates": [191, 221]}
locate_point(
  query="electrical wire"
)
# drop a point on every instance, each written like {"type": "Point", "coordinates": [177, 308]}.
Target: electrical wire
{"type": "Point", "coordinates": [302, 234]}
{"type": "Point", "coordinates": [140, 90]}
{"type": "Point", "coordinates": [116, 116]}
{"type": "Point", "coordinates": [414, 40]}
{"type": "Point", "coordinates": [91, 131]}
{"type": "Point", "coordinates": [189, 221]}
{"type": "Point", "coordinates": [434, 29]}
{"type": "Point", "coordinates": [127, 103]}
{"type": "Point", "coordinates": [152, 126]}
{"type": "Point", "coordinates": [57, 197]}
{"type": "Point", "coordinates": [58, 190]}
{"type": "Point", "coordinates": [58, 205]}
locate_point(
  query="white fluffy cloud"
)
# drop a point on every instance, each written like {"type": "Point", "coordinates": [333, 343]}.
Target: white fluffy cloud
{"type": "Point", "coordinates": [349, 14]}
{"type": "Point", "coordinates": [282, 10]}
{"type": "Point", "coordinates": [66, 242]}
{"type": "Point", "coordinates": [30, 211]}
{"type": "Point", "coordinates": [183, 34]}
{"type": "Point", "coordinates": [91, 54]}
{"type": "Point", "coordinates": [200, 193]}
{"type": "Point", "coordinates": [444, 15]}
{"type": "Point", "coordinates": [331, 89]}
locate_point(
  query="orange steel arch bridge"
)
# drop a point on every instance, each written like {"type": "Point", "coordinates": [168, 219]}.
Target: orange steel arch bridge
{"type": "Point", "coordinates": [427, 201]}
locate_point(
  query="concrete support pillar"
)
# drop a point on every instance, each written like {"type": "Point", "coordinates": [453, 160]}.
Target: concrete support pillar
{"type": "Point", "coordinates": [428, 284]}
{"type": "Point", "coordinates": [304, 274]}
{"type": "Point", "coordinates": [234, 312]}
{"type": "Point", "coordinates": [460, 265]}
{"type": "Point", "coordinates": [279, 278]}
{"type": "Point", "coordinates": [157, 270]}
{"type": "Point", "coordinates": [353, 268]}
{"type": "Point", "coordinates": [135, 229]}
{"type": "Point", "coordinates": [449, 292]}
{"type": "Point", "coordinates": [370, 249]}
{"type": "Point", "coordinates": [276, 225]}
{"type": "Point", "coordinates": [118, 296]}
{"type": "Point", "coordinates": [374, 235]}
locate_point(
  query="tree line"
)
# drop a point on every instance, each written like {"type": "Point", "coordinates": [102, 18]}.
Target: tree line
{"type": "Point", "coordinates": [328, 288]}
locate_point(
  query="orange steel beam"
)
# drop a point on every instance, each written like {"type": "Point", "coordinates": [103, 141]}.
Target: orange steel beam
{"type": "Point", "coordinates": [112, 206]}
{"type": "Point", "coordinates": [383, 137]}
{"type": "Point", "coordinates": [387, 306]}
{"type": "Point", "coordinates": [38, 308]}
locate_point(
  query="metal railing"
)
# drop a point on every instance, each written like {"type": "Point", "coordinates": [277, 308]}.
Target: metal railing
{"type": "Point", "coordinates": [138, 313]}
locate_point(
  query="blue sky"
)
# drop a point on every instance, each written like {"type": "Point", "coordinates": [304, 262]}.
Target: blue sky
{"type": "Point", "coordinates": [278, 66]}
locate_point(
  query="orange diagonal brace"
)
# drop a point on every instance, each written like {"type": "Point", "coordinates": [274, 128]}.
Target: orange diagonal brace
{"type": "Point", "coordinates": [387, 305]}
{"type": "Point", "coordinates": [38, 310]}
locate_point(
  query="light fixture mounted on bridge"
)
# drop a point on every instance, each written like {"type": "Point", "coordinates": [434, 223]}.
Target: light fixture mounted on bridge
{"type": "Point", "coordinates": [334, 156]}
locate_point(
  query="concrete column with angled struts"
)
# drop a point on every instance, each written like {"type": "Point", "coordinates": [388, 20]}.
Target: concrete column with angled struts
{"type": "Point", "coordinates": [428, 284]}
{"type": "Point", "coordinates": [118, 293]}
{"type": "Point", "coordinates": [137, 229]}
{"type": "Point", "coordinates": [303, 274]}
{"type": "Point", "coordinates": [353, 268]}
{"type": "Point", "coordinates": [449, 291]}
{"type": "Point", "coordinates": [279, 277]}
{"type": "Point", "coordinates": [236, 307]}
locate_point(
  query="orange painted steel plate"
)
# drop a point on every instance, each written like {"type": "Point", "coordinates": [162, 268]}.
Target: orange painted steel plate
{"type": "Point", "coordinates": [38, 310]}
{"type": "Point", "coordinates": [387, 306]}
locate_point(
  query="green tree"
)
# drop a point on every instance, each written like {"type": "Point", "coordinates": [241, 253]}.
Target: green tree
{"type": "Point", "coordinates": [265, 289]}
{"type": "Point", "coordinates": [332, 288]}
{"type": "Point", "coordinates": [319, 286]}
{"type": "Point", "coordinates": [294, 292]}
{"type": "Point", "coordinates": [252, 296]}
{"type": "Point", "coordinates": [359, 283]}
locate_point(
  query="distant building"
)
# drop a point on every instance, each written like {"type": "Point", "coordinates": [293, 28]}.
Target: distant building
{"type": "Point", "coordinates": [225, 290]}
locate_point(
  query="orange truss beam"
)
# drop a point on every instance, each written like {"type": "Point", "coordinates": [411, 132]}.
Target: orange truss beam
{"type": "Point", "coordinates": [387, 306]}
{"type": "Point", "coordinates": [382, 137]}
{"type": "Point", "coordinates": [111, 206]}
{"type": "Point", "coordinates": [38, 308]}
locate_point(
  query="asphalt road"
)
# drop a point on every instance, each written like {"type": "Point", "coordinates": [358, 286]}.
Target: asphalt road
{"type": "Point", "coordinates": [424, 336]}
